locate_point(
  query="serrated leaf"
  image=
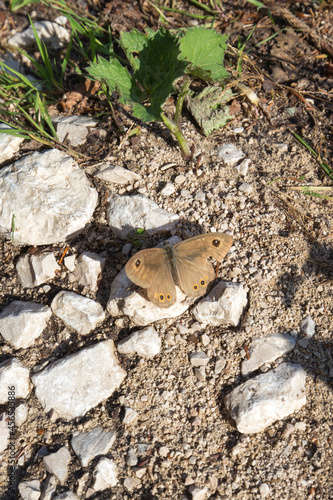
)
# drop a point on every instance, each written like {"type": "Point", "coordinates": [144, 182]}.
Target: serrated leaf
{"type": "Point", "coordinates": [154, 59]}
{"type": "Point", "coordinates": [209, 108]}
{"type": "Point", "coordinates": [116, 77]}
{"type": "Point", "coordinates": [158, 67]}
{"type": "Point", "coordinates": [133, 43]}
{"type": "Point", "coordinates": [204, 50]}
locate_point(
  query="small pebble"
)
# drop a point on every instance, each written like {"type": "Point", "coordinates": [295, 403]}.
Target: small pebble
{"type": "Point", "coordinates": [127, 248]}
{"type": "Point", "coordinates": [131, 458]}
{"type": "Point", "coordinates": [180, 179]}
{"type": "Point", "coordinates": [168, 189]}
{"type": "Point", "coordinates": [163, 451]}
{"type": "Point", "coordinates": [245, 188]}
{"type": "Point", "coordinates": [264, 490]}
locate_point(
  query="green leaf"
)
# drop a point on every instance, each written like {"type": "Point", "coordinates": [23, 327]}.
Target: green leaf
{"type": "Point", "coordinates": [154, 59]}
{"type": "Point", "coordinates": [132, 43]}
{"type": "Point", "coordinates": [116, 78]}
{"type": "Point", "coordinates": [209, 108]}
{"type": "Point", "coordinates": [204, 50]}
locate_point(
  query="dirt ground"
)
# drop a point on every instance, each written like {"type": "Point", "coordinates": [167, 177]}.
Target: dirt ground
{"type": "Point", "coordinates": [284, 234]}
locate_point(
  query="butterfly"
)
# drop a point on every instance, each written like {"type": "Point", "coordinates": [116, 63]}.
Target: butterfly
{"type": "Point", "coordinates": [186, 265]}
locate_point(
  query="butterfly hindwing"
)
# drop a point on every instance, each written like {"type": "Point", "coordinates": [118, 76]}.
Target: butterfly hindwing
{"type": "Point", "coordinates": [193, 275]}
{"type": "Point", "coordinates": [150, 269]}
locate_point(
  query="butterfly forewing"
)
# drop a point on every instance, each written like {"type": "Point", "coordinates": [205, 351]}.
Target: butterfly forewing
{"type": "Point", "coordinates": [151, 269]}
{"type": "Point", "coordinates": [215, 245]}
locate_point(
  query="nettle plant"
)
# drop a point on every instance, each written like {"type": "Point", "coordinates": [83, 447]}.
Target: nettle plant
{"type": "Point", "coordinates": [162, 63]}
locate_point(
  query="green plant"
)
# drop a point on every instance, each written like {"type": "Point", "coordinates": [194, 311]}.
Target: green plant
{"type": "Point", "coordinates": [327, 169]}
{"type": "Point", "coordinates": [24, 103]}
{"type": "Point", "coordinates": [158, 60]}
{"type": "Point", "coordinates": [137, 236]}
{"type": "Point", "coordinates": [47, 71]}
{"type": "Point", "coordinates": [18, 4]}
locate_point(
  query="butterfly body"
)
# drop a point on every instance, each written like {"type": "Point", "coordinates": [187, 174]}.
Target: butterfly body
{"type": "Point", "coordinates": [186, 265]}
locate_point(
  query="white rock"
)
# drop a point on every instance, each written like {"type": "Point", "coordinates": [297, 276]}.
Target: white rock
{"type": "Point", "coordinates": [199, 493]}
{"type": "Point", "coordinates": [271, 396]}
{"type": "Point", "coordinates": [219, 365]}
{"type": "Point", "coordinates": [180, 179]}
{"type": "Point", "coordinates": [33, 270]}
{"type": "Point", "coordinates": [245, 188]}
{"type": "Point", "coordinates": [73, 128]}
{"type": "Point", "coordinates": [52, 34]}
{"type": "Point", "coordinates": [66, 495]}
{"type": "Point", "coordinates": [224, 305]}
{"type": "Point", "coordinates": [13, 373]}
{"type": "Point", "coordinates": [205, 340]}
{"type": "Point", "coordinates": [238, 130]}
{"type": "Point", "coordinates": [74, 385]}
{"type": "Point", "coordinates": [49, 488]}
{"type": "Point", "coordinates": [300, 426]}
{"type": "Point", "coordinates": [50, 197]}
{"type": "Point", "coordinates": [163, 451]}
{"type": "Point", "coordinates": [281, 147]}
{"type": "Point", "coordinates": [267, 349]}
{"type": "Point", "coordinates": [21, 323]}
{"type": "Point", "coordinates": [105, 474]}
{"type": "Point", "coordinates": [145, 343]}
{"type": "Point", "coordinates": [30, 490]}
{"type": "Point", "coordinates": [199, 359]}
{"type": "Point", "coordinates": [244, 166]}
{"type": "Point", "coordinates": [88, 270]}
{"type": "Point", "coordinates": [131, 458]}
{"type": "Point", "coordinates": [79, 313]}
{"type": "Point", "coordinates": [127, 213]}
{"type": "Point", "coordinates": [124, 300]}
{"type": "Point", "coordinates": [90, 444]}
{"type": "Point", "coordinates": [9, 144]}
{"type": "Point", "coordinates": [230, 154]}
{"type": "Point", "coordinates": [264, 490]}
{"type": "Point", "coordinates": [132, 483]}
{"type": "Point", "coordinates": [143, 449]}
{"type": "Point", "coordinates": [130, 416]}
{"type": "Point", "coordinates": [308, 327]}
{"type": "Point", "coordinates": [69, 262]}
{"type": "Point", "coordinates": [141, 472]}
{"type": "Point", "coordinates": [116, 174]}
{"type": "Point", "coordinates": [4, 435]}
{"type": "Point", "coordinates": [168, 189]}
{"type": "Point", "coordinates": [127, 248]}
{"type": "Point", "coordinates": [57, 464]}
{"type": "Point", "coordinates": [304, 342]}
{"type": "Point", "coordinates": [21, 414]}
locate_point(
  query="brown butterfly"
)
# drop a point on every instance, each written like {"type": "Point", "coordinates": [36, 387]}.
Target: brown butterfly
{"type": "Point", "coordinates": [159, 269]}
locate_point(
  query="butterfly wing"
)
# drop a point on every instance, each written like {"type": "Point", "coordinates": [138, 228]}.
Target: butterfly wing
{"type": "Point", "coordinates": [194, 272]}
{"type": "Point", "coordinates": [151, 269]}
{"type": "Point", "coordinates": [215, 245]}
